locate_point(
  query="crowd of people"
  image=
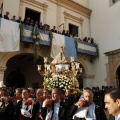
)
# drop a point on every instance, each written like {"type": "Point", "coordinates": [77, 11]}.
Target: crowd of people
{"type": "Point", "coordinates": [41, 104]}
{"type": "Point", "coordinates": [31, 22]}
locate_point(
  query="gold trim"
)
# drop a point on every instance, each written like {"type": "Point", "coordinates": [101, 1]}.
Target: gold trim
{"type": "Point", "coordinates": [35, 4]}
{"type": "Point", "coordinates": [73, 6]}
{"type": "Point", "coordinates": [88, 76]}
{"type": "Point", "coordinates": [2, 69]}
{"type": "Point", "coordinates": [73, 18]}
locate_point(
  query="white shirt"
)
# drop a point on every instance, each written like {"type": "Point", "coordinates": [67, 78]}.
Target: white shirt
{"type": "Point", "coordinates": [56, 111]}
{"type": "Point", "coordinates": [117, 117]}
{"type": "Point", "coordinates": [88, 112]}
{"type": "Point", "coordinates": [91, 112]}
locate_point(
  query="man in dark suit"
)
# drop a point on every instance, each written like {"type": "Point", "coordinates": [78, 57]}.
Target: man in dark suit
{"type": "Point", "coordinates": [6, 106]}
{"type": "Point", "coordinates": [69, 97]}
{"type": "Point", "coordinates": [27, 21]}
{"type": "Point", "coordinates": [20, 105]}
{"type": "Point", "coordinates": [58, 109]}
{"type": "Point", "coordinates": [20, 20]}
{"type": "Point", "coordinates": [112, 103]}
{"type": "Point", "coordinates": [40, 26]}
{"type": "Point", "coordinates": [54, 28]}
{"type": "Point", "coordinates": [6, 16]}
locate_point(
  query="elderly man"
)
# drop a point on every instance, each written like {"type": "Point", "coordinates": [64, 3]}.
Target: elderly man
{"type": "Point", "coordinates": [112, 102]}
{"type": "Point", "coordinates": [85, 109]}
{"type": "Point", "coordinates": [86, 112]}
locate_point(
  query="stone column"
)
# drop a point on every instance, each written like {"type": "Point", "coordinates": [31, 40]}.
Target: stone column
{"type": "Point", "coordinates": [65, 23]}
{"type": "Point", "coordinates": [81, 36]}
{"type": "Point", "coordinates": [44, 13]}
{"type": "Point", "coordinates": [2, 69]}
{"type": "Point", "coordinates": [21, 9]}
{"type": "Point", "coordinates": [59, 18]}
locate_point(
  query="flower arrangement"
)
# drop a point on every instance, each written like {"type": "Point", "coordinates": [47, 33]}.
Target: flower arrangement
{"type": "Point", "coordinates": [62, 82]}
{"type": "Point", "coordinates": [36, 37]}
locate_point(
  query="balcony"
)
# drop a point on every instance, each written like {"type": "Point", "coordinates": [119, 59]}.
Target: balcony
{"type": "Point", "coordinates": [10, 35]}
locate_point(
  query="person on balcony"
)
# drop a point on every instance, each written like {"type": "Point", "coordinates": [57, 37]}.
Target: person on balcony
{"type": "Point", "coordinates": [6, 16]}
{"type": "Point", "coordinates": [54, 28]}
{"type": "Point", "coordinates": [31, 23]}
{"type": "Point", "coordinates": [20, 20]}
{"type": "Point", "coordinates": [27, 21]}
{"type": "Point", "coordinates": [40, 26]}
{"type": "Point", "coordinates": [14, 18]}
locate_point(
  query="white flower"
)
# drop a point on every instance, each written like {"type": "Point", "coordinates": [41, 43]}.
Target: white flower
{"type": "Point", "coordinates": [38, 36]}
{"type": "Point", "coordinates": [36, 43]}
{"type": "Point", "coordinates": [34, 37]}
{"type": "Point", "coordinates": [69, 86]}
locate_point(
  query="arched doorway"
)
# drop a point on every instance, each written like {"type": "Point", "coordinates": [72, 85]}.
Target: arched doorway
{"type": "Point", "coordinates": [118, 77]}
{"type": "Point", "coordinates": [21, 71]}
{"type": "Point", "coordinates": [16, 78]}
{"type": "Point", "coordinates": [81, 76]}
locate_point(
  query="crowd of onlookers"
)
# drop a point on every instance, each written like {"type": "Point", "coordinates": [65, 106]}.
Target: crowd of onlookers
{"type": "Point", "coordinates": [29, 21]}
{"type": "Point", "coordinates": [14, 99]}
{"type": "Point", "coordinates": [99, 94]}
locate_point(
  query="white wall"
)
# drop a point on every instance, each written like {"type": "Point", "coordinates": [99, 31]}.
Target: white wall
{"type": "Point", "coordinates": [51, 14]}
{"type": "Point", "coordinates": [105, 29]}
{"type": "Point", "coordinates": [11, 6]}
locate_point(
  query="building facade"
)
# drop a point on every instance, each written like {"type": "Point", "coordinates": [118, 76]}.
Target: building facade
{"type": "Point", "coordinates": [91, 18]}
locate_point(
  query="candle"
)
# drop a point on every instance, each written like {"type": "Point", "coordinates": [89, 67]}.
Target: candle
{"type": "Point", "coordinates": [77, 65]}
{"type": "Point", "coordinates": [39, 67]}
{"type": "Point", "coordinates": [48, 67]}
{"type": "Point", "coordinates": [72, 59]}
{"type": "Point", "coordinates": [45, 59]}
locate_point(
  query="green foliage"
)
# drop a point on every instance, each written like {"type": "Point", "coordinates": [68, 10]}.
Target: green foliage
{"type": "Point", "coordinates": [51, 36]}
{"type": "Point", "coordinates": [97, 50]}
{"type": "Point", "coordinates": [76, 43]}
{"type": "Point", "coordinates": [36, 37]}
{"type": "Point", "coordinates": [35, 54]}
{"type": "Point", "coordinates": [21, 31]}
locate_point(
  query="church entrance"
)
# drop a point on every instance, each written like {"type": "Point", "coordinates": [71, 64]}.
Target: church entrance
{"type": "Point", "coordinates": [73, 29]}
{"type": "Point", "coordinates": [118, 77]}
{"type": "Point", "coordinates": [16, 78]}
{"type": "Point", "coordinates": [21, 71]}
{"type": "Point", "coordinates": [35, 15]}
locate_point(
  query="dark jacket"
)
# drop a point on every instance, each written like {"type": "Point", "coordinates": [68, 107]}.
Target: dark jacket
{"type": "Point", "coordinates": [6, 17]}
{"type": "Point", "coordinates": [8, 112]}
{"type": "Point", "coordinates": [63, 111]}
{"type": "Point", "coordinates": [18, 112]}
{"type": "Point", "coordinates": [111, 117]}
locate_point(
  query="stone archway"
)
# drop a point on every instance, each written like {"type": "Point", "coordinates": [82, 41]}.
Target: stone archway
{"type": "Point", "coordinates": [118, 77]}
{"type": "Point", "coordinates": [112, 67]}
{"type": "Point", "coordinates": [21, 72]}
{"type": "Point", "coordinates": [15, 78]}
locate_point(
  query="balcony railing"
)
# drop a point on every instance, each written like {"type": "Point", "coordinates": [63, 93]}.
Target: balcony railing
{"type": "Point", "coordinates": [10, 32]}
